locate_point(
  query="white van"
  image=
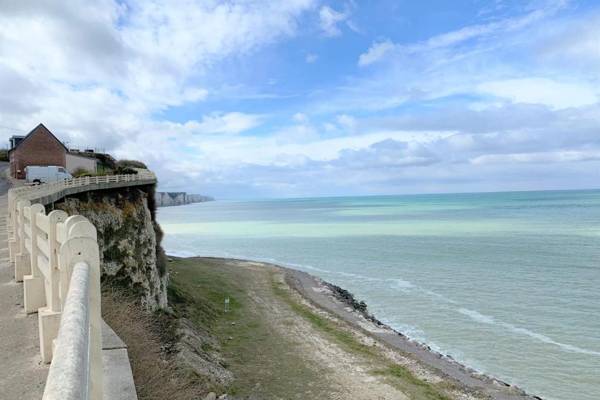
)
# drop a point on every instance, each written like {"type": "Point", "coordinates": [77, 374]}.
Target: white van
{"type": "Point", "coordinates": [46, 174]}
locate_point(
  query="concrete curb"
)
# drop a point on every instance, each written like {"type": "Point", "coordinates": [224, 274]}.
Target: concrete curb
{"type": "Point", "coordinates": [118, 378]}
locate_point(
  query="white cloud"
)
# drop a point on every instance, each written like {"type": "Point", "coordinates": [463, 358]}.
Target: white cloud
{"type": "Point", "coordinates": [311, 58]}
{"type": "Point", "coordinates": [376, 52]}
{"type": "Point", "coordinates": [455, 63]}
{"type": "Point", "coordinates": [329, 20]}
{"type": "Point", "coordinates": [538, 157]}
{"type": "Point", "coordinates": [380, 49]}
{"type": "Point", "coordinates": [557, 95]}
{"type": "Point", "coordinates": [347, 122]}
{"type": "Point", "coordinates": [229, 123]}
{"type": "Point", "coordinates": [575, 45]}
{"type": "Point", "coordinates": [329, 127]}
{"type": "Point", "coordinates": [110, 67]}
{"type": "Point", "coordinates": [300, 117]}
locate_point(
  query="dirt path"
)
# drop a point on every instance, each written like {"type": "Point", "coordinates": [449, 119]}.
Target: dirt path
{"type": "Point", "coordinates": [343, 375]}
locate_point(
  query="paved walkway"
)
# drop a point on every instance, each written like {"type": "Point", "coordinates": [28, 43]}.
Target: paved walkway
{"type": "Point", "coordinates": [22, 375]}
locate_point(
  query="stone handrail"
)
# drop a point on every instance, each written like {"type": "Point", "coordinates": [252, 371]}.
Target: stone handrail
{"type": "Point", "coordinates": [57, 258]}
{"type": "Point", "coordinates": [73, 341]}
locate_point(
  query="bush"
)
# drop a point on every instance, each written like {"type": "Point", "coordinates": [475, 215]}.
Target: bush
{"type": "Point", "coordinates": [81, 172]}
{"type": "Point", "coordinates": [125, 171]}
{"type": "Point", "coordinates": [105, 161]}
{"type": "Point", "coordinates": [3, 155]}
{"type": "Point", "coordinates": [130, 164]}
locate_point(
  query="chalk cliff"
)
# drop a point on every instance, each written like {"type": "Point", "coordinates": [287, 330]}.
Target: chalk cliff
{"type": "Point", "coordinates": [129, 238]}
{"type": "Point", "coordinates": [168, 199]}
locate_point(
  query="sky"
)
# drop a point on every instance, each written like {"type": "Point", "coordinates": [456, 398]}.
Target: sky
{"type": "Point", "coordinates": [302, 98]}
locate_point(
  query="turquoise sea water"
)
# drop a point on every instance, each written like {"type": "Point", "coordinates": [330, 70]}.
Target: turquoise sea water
{"type": "Point", "coordinates": [507, 283]}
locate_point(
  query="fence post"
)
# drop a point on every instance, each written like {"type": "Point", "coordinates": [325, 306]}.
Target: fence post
{"type": "Point", "coordinates": [64, 273]}
{"type": "Point", "coordinates": [22, 263]}
{"type": "Point", "coordinates": [54, 218]}
{"type": "Point", "coordinates": [49, 317]}
{"type": "Point", "coordinates": [13, 243]}
{"type": "Point", "coordinates": [34, 292]}
{"type": "Point", "coordinates": [82, 246]}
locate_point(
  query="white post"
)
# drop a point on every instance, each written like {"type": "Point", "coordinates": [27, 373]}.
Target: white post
{"type": "Point", "coordinates": [49, 317]}
{"type": "Point", "coordinates": [22, 263]}
{"type": "Point", "coordinates": [65, 274]}
{"type": "Point", "coordinates": [13, 243]}
{"type": "Point", "coordinates": [55, 217]}
{"type": "Point", "coordinates": [34, 292]}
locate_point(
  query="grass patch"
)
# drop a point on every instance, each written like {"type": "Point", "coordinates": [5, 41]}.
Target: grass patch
{"type": "Point", "coordinates": [407, 382]}
{"type": "Point", "coordinates": [265, 364]}
{"type": "Point", "coordinates": [149, 337]}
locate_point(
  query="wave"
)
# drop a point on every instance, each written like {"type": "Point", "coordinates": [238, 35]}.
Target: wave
{"type": "Point", "coordinates": [474, 315]}
{"type": "Point", "coordinates": [548, 340]}
{"type": "Point", "coordinates": [489, 320]}
{"type": "Point", "coordinates": [401, 284]}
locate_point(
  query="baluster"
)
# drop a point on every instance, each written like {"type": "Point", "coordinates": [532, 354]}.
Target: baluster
{"type": "Point", "coordinates": [22, 263]}
{"type": "Point", "coordinates": [34, 294]}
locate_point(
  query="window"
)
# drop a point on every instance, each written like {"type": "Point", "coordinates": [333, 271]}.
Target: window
{"type": "Point", "coordinates": [61, 169]}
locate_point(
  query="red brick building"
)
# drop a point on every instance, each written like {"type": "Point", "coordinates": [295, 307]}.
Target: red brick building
{"type": "Point", "coordinates": [39, 147]}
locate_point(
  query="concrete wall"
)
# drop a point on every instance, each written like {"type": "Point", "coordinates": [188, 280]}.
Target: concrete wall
{"type": "Point", "coordinates": [74, 162]}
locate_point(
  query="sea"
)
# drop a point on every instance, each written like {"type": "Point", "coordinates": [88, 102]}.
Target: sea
{"type": "Point", "coordinates": [506, 283]}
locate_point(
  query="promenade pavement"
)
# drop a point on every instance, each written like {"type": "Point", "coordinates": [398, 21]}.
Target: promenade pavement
{"type": "Point", "coordinates": [22, 374]}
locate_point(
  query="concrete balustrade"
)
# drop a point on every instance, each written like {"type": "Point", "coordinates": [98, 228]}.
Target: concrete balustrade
{"type": "Point", "coordinates": [56, 256]}
{"type": "Point", "coordinates": [69, 371]}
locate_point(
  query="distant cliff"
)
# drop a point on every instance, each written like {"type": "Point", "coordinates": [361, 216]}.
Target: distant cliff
{"type": "Point", "coordinates": [167, 199]}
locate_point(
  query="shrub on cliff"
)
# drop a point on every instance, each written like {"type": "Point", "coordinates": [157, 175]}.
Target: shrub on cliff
{"type": "Point", "coordinates": [125, 167]}
{"type": "Point", "coordinates": [130, 164]}
{"type": "Point", "coordinates": [125, 171]}
{"type": "Point", "coordinates": [80, 172]}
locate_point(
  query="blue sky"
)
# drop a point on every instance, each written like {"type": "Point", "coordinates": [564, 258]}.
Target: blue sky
{"type": "Point", "coordinates": [250, 98]}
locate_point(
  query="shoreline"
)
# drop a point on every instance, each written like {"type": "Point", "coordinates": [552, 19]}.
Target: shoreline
{"type": "Point", "coordinates": [341, 303]}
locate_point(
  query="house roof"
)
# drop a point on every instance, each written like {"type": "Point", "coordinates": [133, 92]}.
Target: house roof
{"type": "Point", "coordinates": [35, 130]}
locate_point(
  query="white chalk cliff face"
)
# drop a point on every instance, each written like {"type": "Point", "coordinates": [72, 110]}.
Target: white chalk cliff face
{"type": "Point", "coordinates": [129, 240]}
{"type": "Point", "coordinates": [168, 199]}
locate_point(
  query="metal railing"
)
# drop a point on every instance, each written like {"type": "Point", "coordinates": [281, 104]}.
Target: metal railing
{"type": "Point", "coordinates": [57, 258]}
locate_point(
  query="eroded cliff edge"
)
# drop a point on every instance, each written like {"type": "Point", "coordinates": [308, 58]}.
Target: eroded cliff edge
{"type": "Point", "coordinates": [129, 239]}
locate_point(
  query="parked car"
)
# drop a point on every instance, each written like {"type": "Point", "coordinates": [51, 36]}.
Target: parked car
{"type": "Point", "coordinates": [46, 174]}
